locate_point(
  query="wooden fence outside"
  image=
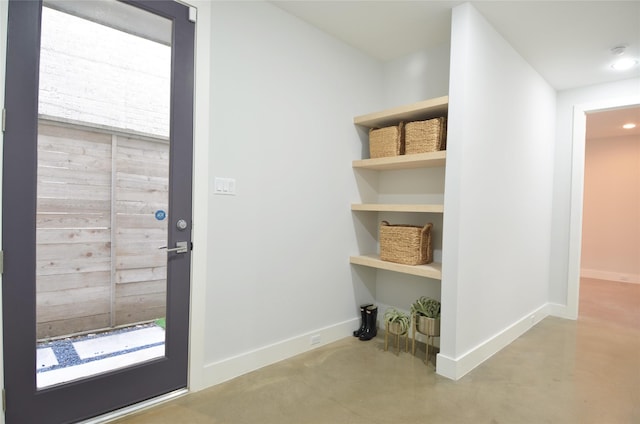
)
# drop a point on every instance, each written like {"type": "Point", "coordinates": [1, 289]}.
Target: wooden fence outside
{"type": "Point", "coordinates": [98, 264]}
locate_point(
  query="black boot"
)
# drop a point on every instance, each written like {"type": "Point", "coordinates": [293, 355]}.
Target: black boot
{"type": "Point", "coordinates": [363, 320]}
{"type": "Point", "coordinates": [372, 323]}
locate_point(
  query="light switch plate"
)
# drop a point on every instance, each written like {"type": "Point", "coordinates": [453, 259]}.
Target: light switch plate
{"type": "Point", "coordinates": [224, 186]}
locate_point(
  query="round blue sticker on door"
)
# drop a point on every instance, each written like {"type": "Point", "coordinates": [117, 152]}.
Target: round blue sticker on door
{"type": "Point", "coordinates": [160, 215]}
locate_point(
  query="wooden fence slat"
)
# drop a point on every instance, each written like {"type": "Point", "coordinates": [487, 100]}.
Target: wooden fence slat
{"type": "Point", "coordinates": [132, 249]}
{"type": "Point", "coordinates": [75, 280]}
{"type": "Point", "coordinates": [66, 191]}
{"type": "Point", "coordinates": [72, 134]}
{"type": "Point", "coordinates": [136, 148]}
{"type": "Point", "coordinates": [153, 300]}
{"type": "Point", "coordinates": [140, 308]}
{"type": "Point", "coordinates": [142, 288]}
{"type": "Point", "coordinates": [73, 147]}
{"type": "Point", "coordinates": [72, 303]}
{"type": "Point", "coordinates": [73, 162]}
{"type": "Point", "coordinates": [80, 178]}
{"type": "Point", "coordinates": [50, 329]}
{"type": "Point", "coordinates": [135, 245]}
{"type": "Point", "coordinates": [137, 235]}
{"type": "Point", "coordinates": [138, 207]}
{"type": "Point", "coordinates": [126, 316]}
{"type": "Point", "coordinates": [71, 251]}
{"type": "Point", "coordinates": [89, 177]}
{"type": "Point", "coordinates": [141, 260]}
{"type": "Point", "coordinates": [73, 220]}
{"type": "Point", "coordinates": [152, 196]}
{"type": "Point", "coordinates": [142, 167]}
{"type": "Point", "coordinates": [126, 276]}
{"type": "Point", "coordinates": [67, 266]}
{"type": "Point", "coordinates": [131, 140]}
{"type": "Point", "coordinates": [142, 182]}
{"type": "Point", "coordinates": [71, 205]}
{"type": "Point", "coordinates": [135, 223]}
{"type": "Point", "coordinates": [64, 236]}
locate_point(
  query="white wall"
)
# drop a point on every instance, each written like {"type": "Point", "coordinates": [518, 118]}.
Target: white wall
{"type": "Point", "coordinates": [130, 90]}
{"type": "Point", "coordinates": [418, 76]}
{"type": "Point", "coordinates": [562, 285]}
{"type": "Point", "coordinates": [284, 96]}
{"type": "Point", "coordinates": [611, 214]}
{"type": "Point", "coordinates": [498, 195]}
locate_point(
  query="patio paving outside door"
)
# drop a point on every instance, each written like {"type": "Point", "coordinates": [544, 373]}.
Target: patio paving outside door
{"type": "Point", "coordinates": [96, 221]}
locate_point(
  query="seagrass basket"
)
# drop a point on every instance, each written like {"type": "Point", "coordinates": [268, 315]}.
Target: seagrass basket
{"type": "Point", "coordinates": [387, 141]}
{"type": "Point", "coordinates": [425, 136]}
{"type": "Point", "coordinates": [406, 244]}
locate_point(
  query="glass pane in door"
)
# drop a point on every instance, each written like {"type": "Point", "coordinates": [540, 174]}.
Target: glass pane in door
{"type": "Point", "coordinates": [102, 189]}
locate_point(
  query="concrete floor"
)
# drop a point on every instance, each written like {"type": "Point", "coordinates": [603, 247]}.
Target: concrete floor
{"type": "Point", "coordinates": [561, 371]}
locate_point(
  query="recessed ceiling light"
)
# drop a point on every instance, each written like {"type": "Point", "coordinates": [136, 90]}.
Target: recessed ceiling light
{"type": "Point", "coordinates": [629, 126]}
{"type": "Point", "coordinates": [624, 64]}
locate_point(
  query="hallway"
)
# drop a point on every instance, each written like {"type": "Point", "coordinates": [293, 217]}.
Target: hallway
{"type": "Point", "coordinates": [562, 371]}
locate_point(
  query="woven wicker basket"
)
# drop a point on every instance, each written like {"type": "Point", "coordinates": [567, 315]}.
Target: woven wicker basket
{"type": "Point", "coordinates": [425, 136]}
{"type": "Point", "coordinates": [406, 244]}
{"type": "Point", "coordinates": [387, 141]}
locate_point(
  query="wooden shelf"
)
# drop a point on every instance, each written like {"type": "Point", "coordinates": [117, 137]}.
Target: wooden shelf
{"type": "Point", "coordinates": [432, 270]}
{"type": "Point", "coordinates": [426, 109]}
{"type": "Point", "coordinates": [419, 160]}
{"type": "Point", "coordinates": [388, 207]}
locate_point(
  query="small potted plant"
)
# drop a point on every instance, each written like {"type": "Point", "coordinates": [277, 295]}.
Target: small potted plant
{"type": "Point", "coordinates": [397, 321]}
{"type": "Point", "coordinates": [427, 315]}
{"type": "Point", "coordinates": [397, 324]}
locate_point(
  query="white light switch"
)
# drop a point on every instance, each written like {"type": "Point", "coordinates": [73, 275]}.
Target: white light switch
{"type": "Point", "coordinates": [224, 186]}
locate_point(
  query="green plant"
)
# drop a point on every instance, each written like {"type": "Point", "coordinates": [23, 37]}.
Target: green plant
{"type": "Point", "coordinates": [393, 315]}
{"type": "Point", "coordinates": [161, 322]}
{"type": "Point", "coordinates": [426, 307]}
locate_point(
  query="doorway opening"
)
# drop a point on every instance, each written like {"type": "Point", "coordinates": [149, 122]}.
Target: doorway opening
{"type": "Point", "coordinates": [610, 248]}
{"type": "Point", "coordinates": [577, 193]}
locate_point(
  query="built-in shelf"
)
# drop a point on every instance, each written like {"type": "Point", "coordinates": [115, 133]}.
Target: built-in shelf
{"type": "Point", "coordinates": [432, 270]}
{"type": "Point", "coordinates": [419, 160]}
{"type": "Point", "coordinates": [425, 109]}
{"type": "Point", "coordinates": [388, 207]}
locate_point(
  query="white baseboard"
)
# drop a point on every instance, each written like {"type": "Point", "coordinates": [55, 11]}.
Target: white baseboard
{"type": "Point", "coordinates": [610, 275]}
{"type": "Point", "coordinates": [229, 368]}
{"type": "Point", "coordinates": [456, 368]}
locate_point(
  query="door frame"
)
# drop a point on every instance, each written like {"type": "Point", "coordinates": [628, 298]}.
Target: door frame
{"type": "Point", "coordinates": [577, 192]}
{"type": "Point", "coordinates": [197, 379]}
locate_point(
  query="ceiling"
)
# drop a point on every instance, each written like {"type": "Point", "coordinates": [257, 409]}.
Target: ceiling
{"type": "Point", "coordinates": [568, 42]}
